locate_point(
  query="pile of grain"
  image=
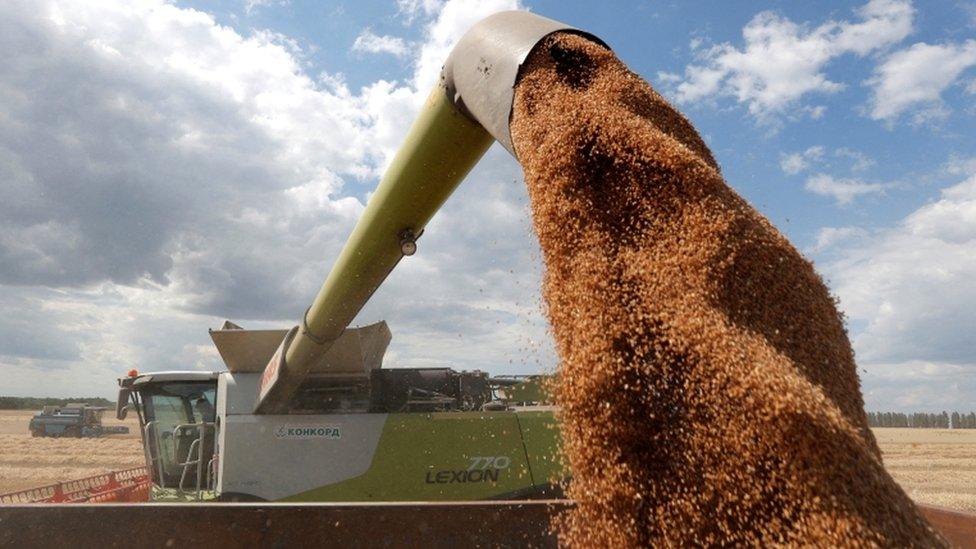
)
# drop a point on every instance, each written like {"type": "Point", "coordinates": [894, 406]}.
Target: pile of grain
{"type": "Point", "coordinates": [708, 389]}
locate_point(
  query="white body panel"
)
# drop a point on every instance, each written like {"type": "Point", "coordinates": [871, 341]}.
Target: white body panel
{"type": "Point", "coordinates": [275, 456]}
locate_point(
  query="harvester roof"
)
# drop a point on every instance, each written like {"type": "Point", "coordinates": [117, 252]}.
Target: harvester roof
{"type": "Point", "coordinates": [175, 375]}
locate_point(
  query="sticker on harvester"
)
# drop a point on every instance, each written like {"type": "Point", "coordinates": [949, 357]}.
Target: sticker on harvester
{"type": "Point", "coordinates": [328, 432]}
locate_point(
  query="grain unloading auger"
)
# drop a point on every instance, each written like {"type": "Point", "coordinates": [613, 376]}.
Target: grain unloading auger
{"type": "Point", "coordinates": [469, 109]}
{"type": "Point", "coordinates": [309, 414]}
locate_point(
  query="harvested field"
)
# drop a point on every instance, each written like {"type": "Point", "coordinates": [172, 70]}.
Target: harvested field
{"type": "Point", "coordinates": [26, 462]}
{"type": "Point", "coordinates": [933, 466]}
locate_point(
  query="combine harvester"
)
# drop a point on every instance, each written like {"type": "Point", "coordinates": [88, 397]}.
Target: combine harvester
{"type": "Point", "coordinates": [314, 397]}
{"type": "Point", "coordinates": [309, 415]}
{"type": "Point", "coordinates": [352, 431]}
{"type": "Point", "coordinates": [73, 420]}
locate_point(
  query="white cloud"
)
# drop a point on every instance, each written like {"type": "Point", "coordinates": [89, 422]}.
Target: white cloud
{"type": "Point", "coordinates": [829, 237]}
{"type": "Point", "coordinates": [815, 112]}
{"type": "Point", "coordinates": [958, 165]}
{"type": "Point", "coordinates": [782, 61]}
{"type": "Point", "coordinates": [251, 5]}
{"type": "Point", "coordinates": [795, 163]}
{"type": "Point", "coordinates": [369, 42]}
{"type": "Point", "coordinates": [909, 292]}
{"type": "Point", "coordinates": [411, 9]}
{"type": "Point", "coordinates": [801, 161]}
{"type": "Point", "coordinates": [161, 171]}
{"type": "Point", "coordinates": [915, 77]}
{"type": "Point", "coordinates": [842, 190]}
{"type": "Point", "coordinates": [951, 219]}
{"type": "Point", "coordinates": [860, 161]}
{"type": "Point", "coordinates": [969, 9]}
{"type": "Point", "coordinates": [668, 77]}
{"type": "Point", "coordinates": [919, 386]}
{"type": "Point", "coordinates": [166, 112]}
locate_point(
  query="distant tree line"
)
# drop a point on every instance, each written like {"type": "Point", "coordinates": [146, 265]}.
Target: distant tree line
{"type": "Point", "coordinates": [923, 420]}
{"type": "Point", "coordinates": [36, 403]}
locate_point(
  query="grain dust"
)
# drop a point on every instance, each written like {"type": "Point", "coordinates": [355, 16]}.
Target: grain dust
{"type": "Point", "coordinates": [707, 386]}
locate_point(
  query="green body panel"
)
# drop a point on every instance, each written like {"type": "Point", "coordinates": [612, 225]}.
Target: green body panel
{"type": "Point", "coordinates": [453, 456]}
{"type": "Point", "coordinates": [540, 435]}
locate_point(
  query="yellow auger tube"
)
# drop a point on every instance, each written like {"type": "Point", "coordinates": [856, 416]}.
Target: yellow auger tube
{"type": "Point", "coordinates": [438, 152]}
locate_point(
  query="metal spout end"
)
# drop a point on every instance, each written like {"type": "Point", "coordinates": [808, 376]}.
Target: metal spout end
{"type": "Point", "coordinates": [480, 73]}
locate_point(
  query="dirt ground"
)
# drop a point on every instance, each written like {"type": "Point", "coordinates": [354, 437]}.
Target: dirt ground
{"type": "Point", "coordinates": [26, 462]}
{"type": "Point", "coordinates": [934, 466]}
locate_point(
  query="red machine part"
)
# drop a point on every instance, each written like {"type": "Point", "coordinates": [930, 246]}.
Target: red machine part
{"type": "Point", "coordinates": [123, 486]}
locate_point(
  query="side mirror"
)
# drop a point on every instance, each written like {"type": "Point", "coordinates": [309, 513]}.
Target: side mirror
{"type": "Point", "coordinates": [122, 404]}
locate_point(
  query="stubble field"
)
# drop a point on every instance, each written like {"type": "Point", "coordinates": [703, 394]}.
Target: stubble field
{"type": "Point", "coordinates": [934, 466]}
{"type": "Point", "coordinates": [26, 462]}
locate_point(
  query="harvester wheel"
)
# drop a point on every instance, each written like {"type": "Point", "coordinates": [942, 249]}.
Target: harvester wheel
{"type": "Point", "coordinates": [72, 432]}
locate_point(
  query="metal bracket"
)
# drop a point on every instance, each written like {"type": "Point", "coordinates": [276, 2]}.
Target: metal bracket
{"type": "Point", "coordinates": [308, 333]}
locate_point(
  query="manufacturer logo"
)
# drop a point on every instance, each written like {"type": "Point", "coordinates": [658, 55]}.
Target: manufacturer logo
{"type": "Point", "coordinates": [328, 432]}
{"type": "Point", "coordinates": [270, 375]}
{"type": "Point", "coordinates": [480, 469]}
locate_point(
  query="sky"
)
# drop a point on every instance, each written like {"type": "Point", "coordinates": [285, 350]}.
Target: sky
{"type": "Point", "coordinates": [168, 165]}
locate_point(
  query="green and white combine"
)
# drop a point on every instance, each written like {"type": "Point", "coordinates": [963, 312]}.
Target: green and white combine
{"type": "Point", "coordinates": [354, 432]}
{"type": "Point", "coordinates": [309, 414]}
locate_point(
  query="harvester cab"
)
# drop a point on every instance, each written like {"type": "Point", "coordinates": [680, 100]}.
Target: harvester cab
{"type": "Point", "coordinates": [177, 421]}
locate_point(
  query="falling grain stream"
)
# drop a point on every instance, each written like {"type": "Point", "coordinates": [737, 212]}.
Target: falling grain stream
{"type": "Point", "coordinates": [707, 385]}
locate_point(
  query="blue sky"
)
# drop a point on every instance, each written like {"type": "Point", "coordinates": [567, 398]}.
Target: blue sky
{"type": "Point", "coordinates": [654, 37]}
{"type": "Point", "coordinates": [172, 164]}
